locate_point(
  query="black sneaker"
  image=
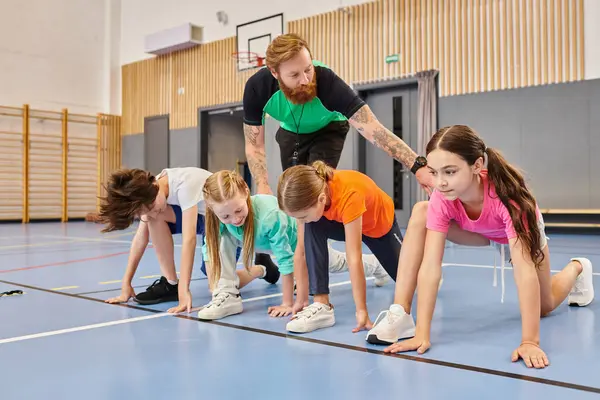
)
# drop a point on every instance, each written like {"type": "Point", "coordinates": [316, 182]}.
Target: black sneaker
{"type": "Point", "coordinates": [272, 275]}
{"type": "Point", "coordinates": [159, 292]}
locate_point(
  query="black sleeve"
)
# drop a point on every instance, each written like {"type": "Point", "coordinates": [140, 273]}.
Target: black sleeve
{"type": "Point", "coordinates": [257, 92]}
{"type": "Point", "coordinates": [335, 94]}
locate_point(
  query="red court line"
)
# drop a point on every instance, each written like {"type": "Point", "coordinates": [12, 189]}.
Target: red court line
{"type": "Point", "coordinates": [65, 262]}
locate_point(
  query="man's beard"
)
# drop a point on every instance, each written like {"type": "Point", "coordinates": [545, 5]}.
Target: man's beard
{"type": "Point", "coordinates": [302, 94]}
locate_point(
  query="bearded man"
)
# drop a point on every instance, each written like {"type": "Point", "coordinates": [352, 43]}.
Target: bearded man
{"type": "Point", "coordinates": [315, 108]}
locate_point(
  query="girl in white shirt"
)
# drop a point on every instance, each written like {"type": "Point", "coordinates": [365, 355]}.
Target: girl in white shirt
{"type": "Point", "coordinates": [170, 203]}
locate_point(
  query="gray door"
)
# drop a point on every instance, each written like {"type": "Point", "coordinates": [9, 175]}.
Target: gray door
{"type": "Point", "coordinates": [396, 109]}
{"type": "Point", "coordinates": [156, 143]}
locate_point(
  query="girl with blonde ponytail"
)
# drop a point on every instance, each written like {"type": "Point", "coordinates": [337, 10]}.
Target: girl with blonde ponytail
{"type": "Point", "coordinates": [342, 205]}
{"type": "Point", "coordinates": [235, 218]}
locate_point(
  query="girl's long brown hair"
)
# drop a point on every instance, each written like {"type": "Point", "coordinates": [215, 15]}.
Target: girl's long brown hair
{"type": "Point", "coordinates": [508, 182]}
{"type": "Point", "coordinates": [299, 186]}
{"type": "Point", "coordinates": [219, 187]}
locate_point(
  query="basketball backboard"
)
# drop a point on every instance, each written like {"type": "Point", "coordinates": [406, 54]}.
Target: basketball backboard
{"type": "Point", "coordinates": [255, 37]}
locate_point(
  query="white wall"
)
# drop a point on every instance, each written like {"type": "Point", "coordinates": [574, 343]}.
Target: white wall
{"type": "Point", "coordinates": [52, 54]}
{"type": "Point", "coordinates": [143, 17]}
{"type": "Point", "coordinates": [592, 35]}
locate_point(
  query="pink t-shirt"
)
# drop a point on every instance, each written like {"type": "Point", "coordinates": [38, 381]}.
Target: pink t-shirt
{"type": "Point", "coordinates": [494, 222]}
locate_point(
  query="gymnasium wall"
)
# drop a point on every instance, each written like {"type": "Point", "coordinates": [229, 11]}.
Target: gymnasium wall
{"type": "Point", "coordinates": [143, 17]}
{"type": "Point", "coordinates": [551, 132]}
{"type": "Point", "coordinates": [60, 54]}
{"type": "Point", "coordinates": [478, 46]}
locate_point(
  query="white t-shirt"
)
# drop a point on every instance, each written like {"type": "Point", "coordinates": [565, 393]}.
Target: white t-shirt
{"type": "Point", "coordinates": [185, 187]}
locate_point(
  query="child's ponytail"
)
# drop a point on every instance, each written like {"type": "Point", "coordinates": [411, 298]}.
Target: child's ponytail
{"type": "Point", "coordinates": [299, 187]}
{"type": "Point", "coordinates": [512, 190]}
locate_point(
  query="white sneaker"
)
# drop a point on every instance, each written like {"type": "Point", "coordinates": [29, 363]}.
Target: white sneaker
{"type": "Point", "coordinates": [315, 316]}
{"type": "Point", "coordinates": [222, 305]}
{"type": "Point", "coordinates": [582, 292]}
{"type": "Point", "coordinates": [374, 268]}
{"type": "Point", "coordinates": [391, 325]}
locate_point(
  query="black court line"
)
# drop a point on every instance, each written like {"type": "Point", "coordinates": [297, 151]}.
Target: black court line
{"type": "Point", "coordinates": [135, 287]}
{"type": "Point", "coordinates": [447, 364]}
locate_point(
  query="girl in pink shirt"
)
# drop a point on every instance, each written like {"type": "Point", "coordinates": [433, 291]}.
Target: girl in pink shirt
{"type": "Point", "coordinates": [473, 205]}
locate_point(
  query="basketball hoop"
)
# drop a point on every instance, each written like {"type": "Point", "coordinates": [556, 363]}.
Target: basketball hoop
{"type": "Point", "coordinates": [248, 60]}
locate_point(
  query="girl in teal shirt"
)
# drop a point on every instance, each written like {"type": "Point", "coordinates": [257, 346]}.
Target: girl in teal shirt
{"type": "Point", "coordinates": [235, 218]}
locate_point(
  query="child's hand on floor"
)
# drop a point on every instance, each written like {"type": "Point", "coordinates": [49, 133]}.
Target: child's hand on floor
{"type": "Point", "coordinates": [127, 293]}
{"type": "Point", "coordinates": [280, 311]}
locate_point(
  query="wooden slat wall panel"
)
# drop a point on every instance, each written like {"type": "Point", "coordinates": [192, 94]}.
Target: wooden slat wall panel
{"type": "Point", "coordinates": [108, 136]}
{"type": "Point", "coordinates": [477, 45]}
{"type": "Point", "coordinates": [49, 162]}
{"type": "Point", "coordinates": [11, 163]}
{"type": "Point", "coordinates": [45, 165]}
{"type": "Point", "coordinates": [82, 165]}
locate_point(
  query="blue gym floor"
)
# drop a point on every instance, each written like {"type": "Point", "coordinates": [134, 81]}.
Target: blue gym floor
{"type": "Point", "coordinates": [59, 340]}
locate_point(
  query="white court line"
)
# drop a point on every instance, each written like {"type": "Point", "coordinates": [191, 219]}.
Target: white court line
{"type": "Point", "coordinates": [29, 245]}
{"type": "Point", "coordinates": [491, 267]}
{"type": "Point", "coordinates": [270, 296]}
{"type": "Point", "coordinates": [81, 328]}
{"type": "Point", "coordinates": [126, 321]}
{"type": "Point", "coordinates": [76, 239]}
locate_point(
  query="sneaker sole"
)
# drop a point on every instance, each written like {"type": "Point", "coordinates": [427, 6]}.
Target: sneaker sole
{"type": "Point", "coordinates": [373, 339]}
{"type": "Point", "coordinates": [312, 330]}
{"type": "Point", "coordinates": [157, 301]}
{"type": "Point", "coordinates": [220, 317]}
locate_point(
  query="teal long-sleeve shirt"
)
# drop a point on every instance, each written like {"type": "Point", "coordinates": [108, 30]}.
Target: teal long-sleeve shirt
{"type": "Point", "coordinates": [274, 232]}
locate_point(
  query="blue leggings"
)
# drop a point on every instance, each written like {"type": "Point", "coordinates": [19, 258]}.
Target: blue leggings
{"type": "Point", "coordinates": [177, 228]}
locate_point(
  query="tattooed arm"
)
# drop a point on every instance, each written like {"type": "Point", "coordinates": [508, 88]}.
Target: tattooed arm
{"type": "Point", "coordinates": [257, 159]}
{"type": "Point", "coordinates": [367, 125]}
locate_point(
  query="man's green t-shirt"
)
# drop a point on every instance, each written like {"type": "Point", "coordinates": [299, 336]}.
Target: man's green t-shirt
{"type": "Point", "coordinates": [335, 101]}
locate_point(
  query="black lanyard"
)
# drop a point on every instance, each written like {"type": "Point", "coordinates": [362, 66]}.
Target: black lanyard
{"type": "Point", "coordinates": [297, 145]}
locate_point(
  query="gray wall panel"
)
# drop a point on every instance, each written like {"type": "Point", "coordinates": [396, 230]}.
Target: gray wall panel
{"type": "Point", "coordinates": [550, 132]}
{"type": "Point", "coordinates": [184, 148]}
{"type": "Point", "coordinates": [132, 152]}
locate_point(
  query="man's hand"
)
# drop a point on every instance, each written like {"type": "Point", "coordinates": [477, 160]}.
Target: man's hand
{"type": "Point", "coordinates": [425, 179]}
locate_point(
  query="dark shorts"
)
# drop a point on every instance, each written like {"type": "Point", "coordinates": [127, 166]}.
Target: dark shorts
{"type": "Point", "coordinates": [326, 145]}
{"type": "Point", "coordinates": [177, 227]}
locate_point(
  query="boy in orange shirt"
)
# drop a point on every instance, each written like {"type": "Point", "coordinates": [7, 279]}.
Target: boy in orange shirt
{"type": "Point", "coordinates": [342, 205]}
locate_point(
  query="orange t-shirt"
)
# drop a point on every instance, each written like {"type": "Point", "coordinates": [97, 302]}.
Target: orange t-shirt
{"type": "Point", "coordinates": [354, 194]}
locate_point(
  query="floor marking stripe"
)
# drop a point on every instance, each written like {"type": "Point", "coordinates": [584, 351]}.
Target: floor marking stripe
{"type": "Point", "coordinates": [109, 282]}
{"type": "Point", "coordinates": [112, 241]}
{"type": "Point", "coordinates": [65, 288]}
{"type": "Point", "coordinates": [448, 364]}
{"type": "Point", "coordinates": [498, 267]}
{"type": "Point", "coordinates": [81, 328]}
{"type": "Point", "coordinates": [270, 296]}
{"type": "Point", "coordinates": [65, 262]}
{"type": "Point", "coordinates": [29, 245]}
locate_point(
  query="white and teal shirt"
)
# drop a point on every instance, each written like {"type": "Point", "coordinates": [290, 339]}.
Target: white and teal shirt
{"type": "Point", "coordinates": [274, 232]}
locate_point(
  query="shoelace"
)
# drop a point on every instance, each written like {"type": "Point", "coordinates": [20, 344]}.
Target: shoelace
{"type": "Point", "coordinates": [578, 288]}
{"type": "Point", "coordinates": [11, 293]}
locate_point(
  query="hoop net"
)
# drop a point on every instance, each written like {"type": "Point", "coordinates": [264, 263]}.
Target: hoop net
{"type": "Point", "coordinates": [246, 62]}
{"type": "Point", "coordinates": [248, 59]}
